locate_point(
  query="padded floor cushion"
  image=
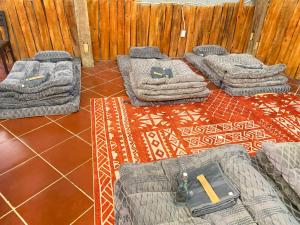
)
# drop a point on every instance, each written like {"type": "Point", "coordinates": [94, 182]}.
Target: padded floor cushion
{"type": "Point", "coordinates": [144, 193]}
{"type": "Point", "coordinates": [67, 108]}
{"type": "Point", "coordinates": [125, 67]}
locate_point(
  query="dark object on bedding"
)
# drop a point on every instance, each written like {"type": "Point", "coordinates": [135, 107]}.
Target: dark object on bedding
{"type": "Point", "coordinates": [159, 72]}
{"type": "Point", "coordinates": [145, 52]}
{"type": "Point", "coordinates": [53, 56]}
{"type": "Point", "coordinates": [203, 200]}
{"type": "Point", "coordinates": [205, 50]}
{"type": "Point", "coordinates": [5, 45]}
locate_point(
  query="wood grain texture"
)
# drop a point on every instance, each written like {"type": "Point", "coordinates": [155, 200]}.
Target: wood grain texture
{"type": "Point", "coordinates": [190, 29]}
{"type": "Point", "coordinates": [292, 31]}
{"type": "Point", "coordinates": [284, 19]}
{"type": "Point", "coordinates": [121, 27]}
{"type": "Point", "coordinates": [33, 25]}
{"type": "Point", "coordinates": [280, 37]}
{"type": "Point", "coordinates": [25, 26]}
{"type": "Point", "coordinates": [269, 28]}
{"type": "Point", "coordinates": [175, 32]}
{"type": "Point", "coordinates": [133, 23]}
{"type": "Point", "coordinates": [104, 29]}
{"type": "Point", "coordinates": [13, 40]}
{"type": "Point", "coordinates": [113, 33]}
{"type": "Point", "coordinates": [215, 24]}
{"type": "Point", "coordinates": [127, 26]}
{"type": "Point", "coordinates": [70, 13]}
{"type": "Point", "coordinates": [184, 26]}
{"type": "Point", "coordinates": [53, 24]}
{"type": "Point", "coordinates": [260, 12]}
{"type": "Point", "coordinates": [12, 13]}
{"type": "Point", "coordinates": [93, 8]}
{"type": "Point", "coordinates": [66, 36]}
{"type": "Point", "coordinates": [166, 34]}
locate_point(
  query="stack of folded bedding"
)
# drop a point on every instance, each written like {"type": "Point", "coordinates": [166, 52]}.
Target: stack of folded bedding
{"type": "Point", "coordinates": [243, 74]}
{"type": "Point", "coordinates": [196, 58]}
{"type": "Point", "coordinates": [238, 74]}
{"type": "Point", "coordinates": [144, 193]}
{"type": "Point", "coordinates": [45, 85]}
{"type": "Point", "coordinates": [151, 79]}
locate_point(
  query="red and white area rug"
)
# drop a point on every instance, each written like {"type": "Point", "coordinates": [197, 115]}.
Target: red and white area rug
{"type": "Point", "coordinates": [123, 133]}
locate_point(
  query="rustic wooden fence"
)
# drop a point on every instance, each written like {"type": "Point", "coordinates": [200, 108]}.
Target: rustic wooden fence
{"type": "Point", "coordinates": [36, 25]}
{"type": "Point", "coordinates": [116, 25]}
{"type": "Point", "coordinates": [280, 37]}
{"type": "Point", "coordinates": [122, 24]}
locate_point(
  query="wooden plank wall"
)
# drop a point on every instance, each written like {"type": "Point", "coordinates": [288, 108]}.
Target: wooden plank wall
{"type": "Point", "coordinates": [116, 25]}
{"type": "Point", "coordinates": [280, 37]}
{"type": "Point", "coordinates": [122, 24]}
{"type": "Point", "coordinates": [36, 25]}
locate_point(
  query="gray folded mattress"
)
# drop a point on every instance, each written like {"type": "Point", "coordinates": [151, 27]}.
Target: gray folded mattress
{"type": "Point", "coordinates": [285, 157]}
{"type": "Point", "coordinates": [57, 106]}
{"type": "Point", "coordinates": [242, 66]}
{"type": "Point", "coordinates": [242, 85]}
{"type": "Point", "coordinates": [125, 67]}
{"type": "Point", "coordinates": [198, 62]}
{"type": "Point", "coordinates": [144, 193]}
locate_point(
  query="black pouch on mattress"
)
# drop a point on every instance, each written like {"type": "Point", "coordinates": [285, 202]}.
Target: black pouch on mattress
{"type": "Point", "coordinates": [159, 72]}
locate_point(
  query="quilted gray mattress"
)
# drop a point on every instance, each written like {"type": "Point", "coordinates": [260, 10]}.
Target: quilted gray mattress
{"type": "Point", "coordinates": [70, 106]}
{"type": "Point", "coordinates": [144, 193]}
{"type": "Point", "coordinates": [125, 67]}
{"type": "Point", "coordinates": [236, 85]}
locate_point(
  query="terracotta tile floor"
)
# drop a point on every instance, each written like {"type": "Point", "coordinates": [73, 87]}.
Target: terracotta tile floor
{"type": "Point", "coordinates": [46, 174]}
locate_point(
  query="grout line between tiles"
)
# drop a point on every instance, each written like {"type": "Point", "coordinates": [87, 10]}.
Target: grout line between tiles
{"type": "Point", "coordinates": [76, 135]}
{"type": "Point", "coordinates": [53, 167]}
{"type": "Point", "coordinates": [54, 182]}
{"type": "Point", "coordinates": [82, 214]}
{"type": "Point", "coordinates": [115, 94]}
{"type": "Point", "coordinates": [18, 165]}
{"type": "Point", "coordinates": [13, 209]}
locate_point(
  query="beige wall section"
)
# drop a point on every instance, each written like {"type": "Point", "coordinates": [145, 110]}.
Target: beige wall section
{"type": "Point", "coordinates": [84, 34]}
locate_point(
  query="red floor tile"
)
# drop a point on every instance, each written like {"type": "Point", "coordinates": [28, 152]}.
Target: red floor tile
{"type": "Point", "coordinates": [108, 75]}
{"type": "Point", "coordinates": [46, 137]}
{"type": "Point", "coordinates": [4, 207]}
{"type": "Point", "coordinates": [86, 96]}
{"type": "Point", "coordinates": [76, 122]}
{"type": "Point", "coordinates": [86, 219]}
{"type": "Point", "coordinates": [4, 135]}
{"type": "Point", "coordinates": [86, 135]}
{"type": "Point", "coordinates": [122, 93]}
{"type": "Point", "coordinates": [11, 219]}
{"type": "Point", "coordinates": [68, 155]}
{"type": "Point", "coordinates": [21, 126]}
{"type": "Point", "coordinates": [60, 204]}
{"type": "Point", "coordinates": [13, 152]}
{"type": "Point", "coordinates": [83, 178]}
{"type": "Point", "coordinates": [24, 181]}
{"type": "Point", "coordinates": [91, 81]}
{"type": "Point", "coordinates": [107, 89]}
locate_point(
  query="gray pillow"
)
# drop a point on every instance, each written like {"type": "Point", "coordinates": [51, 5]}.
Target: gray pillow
{"type": "Point", "coordinates": [205, 50]}
{"type": "Point", "coordinates": [145, 52]}
{"type": "Point", "coordinates": [52, 56]}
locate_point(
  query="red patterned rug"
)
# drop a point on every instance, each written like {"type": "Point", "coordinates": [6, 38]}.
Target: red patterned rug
{"type": "Point", "coordinates": [123, 133]}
